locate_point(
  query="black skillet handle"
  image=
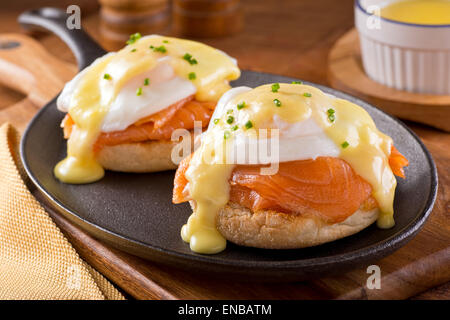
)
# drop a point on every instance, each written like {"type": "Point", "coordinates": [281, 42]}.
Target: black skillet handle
{"type": "Point", "coordinates": [85, 49]}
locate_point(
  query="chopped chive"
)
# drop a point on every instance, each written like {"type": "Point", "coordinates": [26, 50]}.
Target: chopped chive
{"type": "Point", "coordinates": [297, 82]}
{"type": "Point", "coordinates": [134, 37]}
{"type": "Point", "coordinates": [230, 120]}
{"type": "Point", "coordinates": [277, 102]}
{"type": "Point", "coordinates": [166, 41]}
{"type": "Point", "coordinates": [241, 105]}
{"type": "Point", "coordinates": [192, 76]}
{"type": "Point", "coordinates": [146, 81]}
{"type": "Point", "coordinates": [307, 94]}
{"type": "Point", "coordinates": [345, 144]}
{"type": "Point", "coordinates": [229, 111]}
{"type": "Point", "coordinates": [188, 57]}
{"type": "Point", "coordinates": [226, 134]}
{"type": "Point", "coordinates": [107, 76]}
{"type": "Point", "coordinates": [139, 91]}
{"type": "Point", "coordinates": [331, 115]}
{"type": "Point", "coordinates": [275, 87]}
{"type": "Point", "coordinates": [216, 121]}
{"type": "Point", "coordinates": [234, 128]}
{"type": "Point", "coordinates": [161, 49]}
{"type": "Point", "coordinates": [133, 50]}
{"type": "Point", "coordinates": [248, 124]}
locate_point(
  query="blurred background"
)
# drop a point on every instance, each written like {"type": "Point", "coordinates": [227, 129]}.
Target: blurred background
{"type": "Point", "coordinates": [260, 32]}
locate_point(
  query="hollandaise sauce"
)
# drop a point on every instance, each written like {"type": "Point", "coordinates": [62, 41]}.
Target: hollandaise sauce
{"type": "Point", "coordinates": [428, 12]}
{"type": "Point", "coordinates": [207, 68]}
{"type": "Point", "coordinates": [349, 126]}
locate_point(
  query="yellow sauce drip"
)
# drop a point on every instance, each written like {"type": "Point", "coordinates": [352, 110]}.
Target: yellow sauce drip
{"type": "Point", "coordinates": [208, 176]}
{"type": "Point", "coordinates": [367, 152]}
{"type": "Point", "coordinates": [93, 94]}
{"type": "Point", "coordinates": [428, 12]}
{"type": "Point", "coordinates": [80, 165]}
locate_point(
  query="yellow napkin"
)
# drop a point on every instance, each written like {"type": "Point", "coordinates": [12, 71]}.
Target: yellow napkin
{"type": "Point", "coordinates": [36, 260]}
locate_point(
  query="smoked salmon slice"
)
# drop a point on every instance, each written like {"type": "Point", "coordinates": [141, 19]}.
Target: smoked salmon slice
{"type": "Point", "coordinates": [158, 126]}
{"type": "Point", "coordinates": [397, 161]}
{"type": "Point", "coordinates": [326, 186]}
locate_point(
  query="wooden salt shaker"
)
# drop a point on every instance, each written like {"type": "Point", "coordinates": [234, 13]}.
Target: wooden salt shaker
{"type": "Point", "coordinates": [206, 18]}
{"type": "Point", "coordinates": [120, 18]}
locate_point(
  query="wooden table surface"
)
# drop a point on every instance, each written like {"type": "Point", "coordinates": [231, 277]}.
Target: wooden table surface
{"type": "Point", "coordinates": [289, 37]}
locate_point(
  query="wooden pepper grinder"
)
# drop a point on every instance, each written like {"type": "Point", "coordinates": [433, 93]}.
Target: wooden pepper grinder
{"type": "Point", "coordinates": [120, 18]}
{"type": "Point", "coordinates": [206, 18]}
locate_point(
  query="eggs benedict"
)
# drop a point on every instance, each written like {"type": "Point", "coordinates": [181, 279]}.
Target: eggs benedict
{"type": "Point", "coordinates": [334, 171]}
{"type": "Point", "coordinates": [122, 109]}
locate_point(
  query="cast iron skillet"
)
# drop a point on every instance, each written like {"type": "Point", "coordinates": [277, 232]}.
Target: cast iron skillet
{"type": "Point", "coordinates": [133, 212]}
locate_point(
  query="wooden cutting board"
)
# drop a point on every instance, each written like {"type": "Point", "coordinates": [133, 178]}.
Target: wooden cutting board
{"type": "Point", "coordinates": [420, 265]}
